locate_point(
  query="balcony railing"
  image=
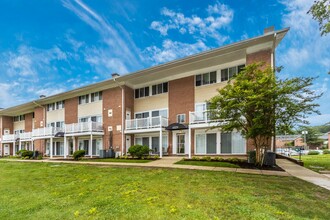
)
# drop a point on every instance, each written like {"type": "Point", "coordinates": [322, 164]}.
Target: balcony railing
{"type": "Point", "coordinates": [146, 123]}
{"type": "Point", "coordinates": [9, 137]}
{"type": "Point", "coordinates": [83, 127]}
{"type": "Point", "coordinates": [44, 132]}
{"type": "Point", "coordinates": [201, 117]}
{"type": "Point", "coordinates": [25, 136]}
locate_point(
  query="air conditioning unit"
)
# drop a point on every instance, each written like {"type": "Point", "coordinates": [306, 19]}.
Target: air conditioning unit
{"type": "Point", "coordinates": [6, 131]}
{"type": "Point", "coordinates": [118, 127]}
{"type": "Point", "coordinates": [109, 128]}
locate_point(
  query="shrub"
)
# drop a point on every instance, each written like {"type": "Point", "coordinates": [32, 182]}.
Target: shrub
{"type": "Point", "coordinates": [195, 158]}
{"type": "Point", "coordinates": [156, 157]}
{"type": "Point", "coordinates": [79, 154]}
{"type": "Point", "coordinates": [27, 154]}
{"type": "Point", "coordinates": [252, 156]}
{"type": "Point", "coordinates": [313, 152]}
{"type": "Point", "coordinates": [138, 151]}
{"type": "Point", "coordinates": [40, 157]}
{"type": "Point", "coordinates": [326, 151]}
{"type": "Point", "coordinates": [207, 158]}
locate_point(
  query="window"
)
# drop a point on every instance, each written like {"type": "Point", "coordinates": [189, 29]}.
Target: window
{"type": "Point", "coordinates": [206, 78]}
{"type": "Point", "coordinates": [142, 92]}
{"type": "Point", "coordinates": [142, 115]}
{"type": "Point", "coordinates": [55, 106]}
{"type": "Point", "coordinates": [57, 124]}
{"type": "Point", "coordinates": [19, 118]}
{"type": "Point", "coordinates": [144, 141]}
{"type": "Point", "coordinates": [96, 96]}
{"type": "Point", "coordinates": [232, 143]}
{"type": "Point", "coordinates": [83, 99]}
{"type": "Point", "coordinates": [181, 118]}
{"type": "Point", "coordinates": [19, 131]}
{"type": "Point", "coordinates": [160, 88]}
{"type": "Point", "coordinates": [206, 143]}
{"type": "Point", "coordinates": [91, 118]}
{"type": "Point", "coordinates": [162, 113]}
{"type": "Point", "coordinates": [229, 73]}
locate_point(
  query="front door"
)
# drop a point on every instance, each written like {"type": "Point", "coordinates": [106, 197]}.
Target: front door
{"type": "Point", "coordinates": [180, 143]}
{"type": "Point", "coordinates": [128, 142]}
{"type": "Point", "coordinates": [6, 150]}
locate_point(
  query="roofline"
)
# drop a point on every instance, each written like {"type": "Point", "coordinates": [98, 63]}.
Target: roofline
{"type": "Point", "coordinates": [121, 79]}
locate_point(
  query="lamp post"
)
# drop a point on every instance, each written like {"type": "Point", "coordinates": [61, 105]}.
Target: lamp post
{"type": "Point", "coordinates": [304, 133]}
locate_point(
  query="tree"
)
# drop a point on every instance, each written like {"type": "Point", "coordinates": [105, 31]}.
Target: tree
{"type": "Point", "coordinates": [258, 105]}
{"type": "Point", "coordinates": [312, 136]}
{"type": "Point", "coordinates": [320, 11]}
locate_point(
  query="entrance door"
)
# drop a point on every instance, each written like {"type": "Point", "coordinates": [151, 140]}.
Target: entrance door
{"type": "Point", "coordinates": [180, 143]}
{"type": "Point", "coordinates": [128, 142]}
{"type": "Point", "coordinates": [6, 150]}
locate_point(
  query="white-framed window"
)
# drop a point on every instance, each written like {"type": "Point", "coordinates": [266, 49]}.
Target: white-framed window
{"type": "Point", "coordinates": [153, 113]}
{"type": "Point", "coordinates": [19, 118]}
{"type": "Point", "coordinates": [96, 96]}
{"type": "Point", "coordinates": [55, 106]}
{"type": "Point", "coordinates": [230, 72]}
{"type": "Point", "coordinates": [206, 143]}
{"type": "Point", "coordinates": [206, 78]}
{"type": "Point", "coordinates": [160, 88]}
{"type": "Point", "coordinates": [19, 131]}
{"type": "Point", "coordinates": [93, 118]}
{"type": "Point", "coordinates": [57, 124]}
{"type": "Point", "coordinates": [181, 118]}
{"type": "Point", "coordinates": [83, 99]}
{"type": "Point", "coordinates": [142, 92]}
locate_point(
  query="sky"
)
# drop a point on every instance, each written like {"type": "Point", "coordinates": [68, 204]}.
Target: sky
{"type": "Point", "coordinates": [48, 47]}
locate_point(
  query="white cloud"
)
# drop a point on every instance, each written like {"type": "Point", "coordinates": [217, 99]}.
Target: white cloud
{"type": "Point", "coordinates": [115, 40]}
{"type": "Point", "coordinates": [172, 50]}
{"type": "Point", "coordinates": [219, 16]}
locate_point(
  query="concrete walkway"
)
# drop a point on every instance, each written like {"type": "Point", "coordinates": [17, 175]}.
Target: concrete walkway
{"type": "Point", "coordinates": [166, 162]}
{"type": "Point", "coordinates": [304, 173]}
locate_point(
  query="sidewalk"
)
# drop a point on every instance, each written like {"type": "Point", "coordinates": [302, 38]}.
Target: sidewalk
{"type": "Point", "coordinates": [304, 173]}
{"type": "Point", "coordinates": [166, 162]}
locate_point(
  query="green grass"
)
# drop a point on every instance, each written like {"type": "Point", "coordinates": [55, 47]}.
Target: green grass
{"type": "Point", "coordinates": [116, 160]}
{"type": "Point", "coordinates": [78, 191]}
{"type": "Point", "coordinates": [207, 163]}
{"type": "Point", "coordinates": [316, 162]}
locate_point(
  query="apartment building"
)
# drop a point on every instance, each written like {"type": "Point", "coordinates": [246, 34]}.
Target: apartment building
{"type": "Point", "coordinates": [163, 107]}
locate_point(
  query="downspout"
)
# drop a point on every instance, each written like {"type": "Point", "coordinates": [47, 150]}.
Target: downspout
{"type": "Point", "coordinates": [122, 114]}
{"type": "Point", "coordinates": [274, 69]}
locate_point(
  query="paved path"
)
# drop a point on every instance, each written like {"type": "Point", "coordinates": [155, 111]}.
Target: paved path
{"type": "Point", "coordinates": [166, 162]}
{"type": "Point", "coordinates": [304, 173]}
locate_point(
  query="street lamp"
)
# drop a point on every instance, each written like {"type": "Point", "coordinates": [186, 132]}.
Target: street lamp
{"type": "Point", "coordinates": [304, 133]}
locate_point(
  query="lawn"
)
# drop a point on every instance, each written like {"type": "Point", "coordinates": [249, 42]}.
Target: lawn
{"type": "Point", "coordinates": [316, 162]}
{"type": "Point", "coordinates": [78, 191]}
{"type": "Point", "coordinates": [116, 160]}
{"type": "Point", "coordinates": [207, 163]}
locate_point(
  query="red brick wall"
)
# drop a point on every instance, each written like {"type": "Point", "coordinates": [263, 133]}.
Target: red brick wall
{"type": "Point", "coordinates": [7, 122]}
{"type": "Point", "coordinates": [181, 100]}
{"type": "Point", "coordinates": [39, 116]}
{"type": "Point", "coordinates": [129, 99]}
{"type": "Point", "coordinates": [260, 56]}
{"type": "Point", "coordinates": [112, 99]}
{"type": "Point", "coordinates": [71, 110]}
{"type": "Point", "coordinates": [28, 122]}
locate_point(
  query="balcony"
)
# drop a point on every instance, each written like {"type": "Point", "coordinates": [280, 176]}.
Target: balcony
{"type": "Point", "coordinates": [9, 138]}
{"type": "Point", "coordinates": [27, 136]}
{"type": "Point", "coordinates": [197, 119]}
{"type": "Point", "coordinates": [146, 123]}
{"type": "Point", "coordinates": [83, 127]}
{"type": "Point", "coordinates": [45, 132]}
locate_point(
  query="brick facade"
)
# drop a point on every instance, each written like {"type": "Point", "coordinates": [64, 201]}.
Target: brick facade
{"type": "Point", "coordinates": [39, 122]}
{"type": "Point", "coordinates": [71, 110]}
{"type": "Point", "coordinates": [112, 100]}
{"type": "Point", "coordinates": [28, 122]}
{"type": "Point", "coordinates": [260, 56]}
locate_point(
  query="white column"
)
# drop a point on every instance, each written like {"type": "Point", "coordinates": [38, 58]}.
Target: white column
{"type": "Point", "coordinates": [65, 147]}
{"type": "Point", "coordinates": [32, 145]}
{"type": "Point", "coordinates": [74, 143]}
{"type": "Point", "coordinates": [51, 148]}
{"type": "Point", "coordinates": [20, 145]}
{"type": "Point", "coordinates": [14, 149]}
{"type": "Point", "coordinates": [161, 143]}
{"type": "Point", "coordinates": [90, 146]}
{"type": "Point", "coordinates": [189, 142]}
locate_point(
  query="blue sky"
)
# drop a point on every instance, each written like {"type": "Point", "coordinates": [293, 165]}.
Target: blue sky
{"type": "Point", "coordinates": [48, 47]}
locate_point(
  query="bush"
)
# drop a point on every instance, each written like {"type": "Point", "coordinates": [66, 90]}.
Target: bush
{"type": "Point", "coordinates": [27, 154]}
{"type": "Point", "coordinates": [138, 151]}
{"type": "Point", "coordinates": [252, 156]}
{"type": "Point", "coordinates": [79, 154]}
{"type": "Point", "coordinates": [39, 157]}
{"type": "Point", "coordinates": [326, 151]}
{"type": "Point", "coordinates": [206, 158]}
{"type": "Point", "coordinates": [313, 152]}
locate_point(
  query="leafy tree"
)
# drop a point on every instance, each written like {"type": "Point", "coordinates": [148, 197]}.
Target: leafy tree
{"type": "Point", "coordinates": [320, 11]}
{"type": "Point", "coordinates": [312, 136]}
{"type": "Point", "coordinates": [257, 104]}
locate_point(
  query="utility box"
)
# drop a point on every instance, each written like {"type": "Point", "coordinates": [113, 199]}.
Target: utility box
{"type": "Point", "coordinates": [103, 153]}
{"type": "Point", "coordinates": [270, 159]}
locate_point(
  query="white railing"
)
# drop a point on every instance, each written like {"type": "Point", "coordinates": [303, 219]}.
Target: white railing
{"type": "Point", "coordinates": [9, 137]}
{"type": "Point", "coordinates": [200, 117]}
{"type": "Point", "coordinates": [25, 136]}
{"type": "Point", "coordinates": [146, 123]}
{"type": "Point", "coordinates": [44, 132]}
{"type": "Point", "coordinates": [83, 127]}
